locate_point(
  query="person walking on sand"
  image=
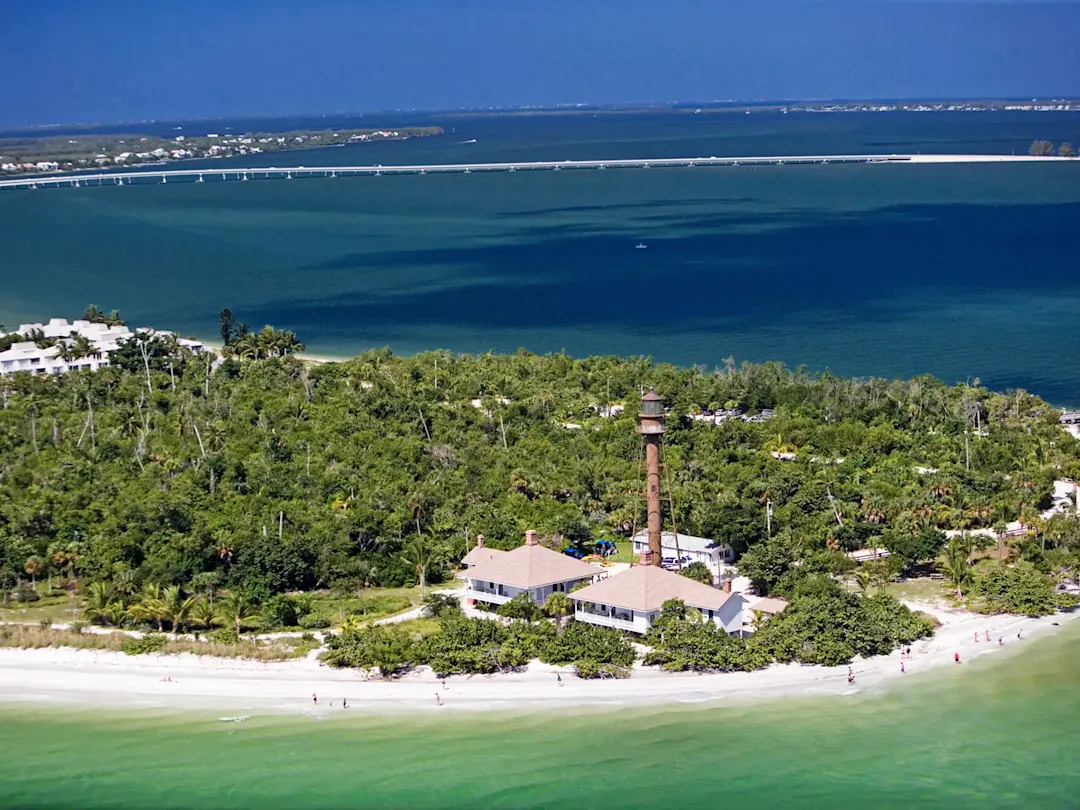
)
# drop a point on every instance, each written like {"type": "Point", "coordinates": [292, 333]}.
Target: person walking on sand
{"type": "Point", "coordinates": [976, 636]}
{"type": "Point", "coordinates": [438, 700]}
{"type": "Point", "coordinates": [1001, 641]}
{"type": "Point", "coordinates": [559, 678]}
{"type": "Point", "coordinates": [344, 703]}
{"type": "Point", "coordinates": [956, 656]}
{"type": "Point", "coordinates": [902, 670]}
{"type": "Point", "coordinates": [987, 636]}
{"type": "Point", "coordinates": [314, 699]}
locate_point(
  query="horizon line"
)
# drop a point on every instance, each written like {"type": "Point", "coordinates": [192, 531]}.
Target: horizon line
{"type": "Point", "coordinates": [626, 106]}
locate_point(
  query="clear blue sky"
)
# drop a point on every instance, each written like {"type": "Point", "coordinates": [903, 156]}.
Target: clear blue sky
{"type": "Point", "coordinates": [68, 61]}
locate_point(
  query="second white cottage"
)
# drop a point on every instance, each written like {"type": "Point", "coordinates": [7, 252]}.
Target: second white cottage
{"type": "Point", "coordinates": [633, 600]}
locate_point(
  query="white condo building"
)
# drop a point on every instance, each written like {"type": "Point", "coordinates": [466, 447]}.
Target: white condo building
{"type": "Point", "coordinates": [26, 356]}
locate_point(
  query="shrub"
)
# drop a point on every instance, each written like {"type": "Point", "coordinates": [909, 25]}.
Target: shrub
{"type": "Point", "coordinates": [1020, 589]}
{"type": "Point", "coordinates": [226, 635]}
{"type": "Point", "coordinates": [27, 595]}
{"type": "Point", "coordinates": [581, 642]}
{"type": "Point", "coordinates": [699, 572]}
{"type": "Point", "coordinates": [385, 647]}
{"type": "Point", "coordinates": [313, 622]}
{"type": "Point", "coordinates": [592, 669]}
{"type": "Point", "coordinates": [281, 611]}
{"type": "Point", "coordinates": [441, 605]}
{"type": "Point", "coordinates": [521, 607]}
{"type": "Point", "coordinates": [150, 643]}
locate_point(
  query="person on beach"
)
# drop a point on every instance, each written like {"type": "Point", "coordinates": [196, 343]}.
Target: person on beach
{"type": "Point", "coordinates": [344, 703]}
{"type": "Point", "coordinates": [559, 678]}
{"type": "Point", "coordinates": [314, 699]}
{"type": "Point", "coordinates": [956, 656]}
{"type": "Point", "coordinates": [902, 670]}
{"type": "Point", "coordinates": [438, 700]}
{"type": "Point", "coordinates": [1001, 641]}
{"type": "Point", "coordinates": [1018, 632]}
{"type": "Point", "coordinates": [987, 636]}
{"type": "Point", "coordinates": [976, 636]}
{"type": "Point", "coordinates": [851, 677]}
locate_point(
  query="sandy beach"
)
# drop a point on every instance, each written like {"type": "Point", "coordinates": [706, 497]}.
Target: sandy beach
{"type": "Point", "coordinates": [97, 679]}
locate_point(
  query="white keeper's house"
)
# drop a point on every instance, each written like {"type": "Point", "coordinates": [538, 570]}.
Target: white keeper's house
{"type": "Point", "coordinates": [495, 577]}
{"type": "Point", "coordinates": [633, 600]}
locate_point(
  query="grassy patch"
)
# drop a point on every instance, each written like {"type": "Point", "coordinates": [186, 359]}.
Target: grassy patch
{"type": "Point", "coordinates": [419, 628]}
{"type": "Point", "coordinates": [625, 554]}
{"type": "Point", "coordinates": [372, 603]}
{"type": "Point", "coordinates": [56, 608]}
{"type": "Point", "coordinates": [30, 637]}
{"type": "Point", "coordinates": [922, 590]}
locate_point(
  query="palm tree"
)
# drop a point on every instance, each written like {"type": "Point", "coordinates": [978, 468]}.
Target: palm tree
{"type": "Point", "coordinates": [34, 566]}
{"type": "Point", "coordinates": [956, 566]}
{"type": "Point", "coordinates": [351, 623]}
{"type": "Point", "coordinates": [98, 597]}
{"type": "Point", "coordinates": [115, 613]}
{"type": "Point", "coordinates": [863, 576]}
{"type": "Point", "coordinates": [206, 583]}
{"type": "Point", "coordinates": [558, 606]}
{"type": "Point", "coordinates": [177, 607]}
{"type": "Point", "coordinates": [417, 553]}
{"type": "Point", "coordinates": [238, 608]}
{"type": "Point", "coordinates": [151, 606]}
{"type": "Point", "coordinates": [778, 445]}
{"type": "Point", "coordinates": [203, 613]}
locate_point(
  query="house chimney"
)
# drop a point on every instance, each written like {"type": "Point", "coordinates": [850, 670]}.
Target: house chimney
{"type": "Point", "coordinates": [727, 585]}
{"type": "Point", "coordinates": [530, 538]}
{"type": "Point", "coordinates": [645, 558]}
{"type": "Point", "coordinates": [479, 541]}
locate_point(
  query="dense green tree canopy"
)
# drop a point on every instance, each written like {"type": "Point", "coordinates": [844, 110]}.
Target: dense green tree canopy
{"type": "Point", "coordinates": [275, 475]}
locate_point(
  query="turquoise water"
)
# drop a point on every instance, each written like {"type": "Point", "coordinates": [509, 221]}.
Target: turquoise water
{"type": "Point", "coordinates": [993, 734]}
{"type": "Point", "coordinates": [955, 270]}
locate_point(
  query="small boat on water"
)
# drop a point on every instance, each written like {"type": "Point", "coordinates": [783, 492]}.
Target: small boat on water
{"type": "Point", "coordinates": [640, 246]}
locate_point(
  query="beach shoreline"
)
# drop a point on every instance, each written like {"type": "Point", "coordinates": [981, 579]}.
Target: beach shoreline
{"type": "Point", "coordinates": [95, 679]}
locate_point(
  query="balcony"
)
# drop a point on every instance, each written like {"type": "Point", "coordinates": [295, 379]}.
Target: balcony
{"type": "Point", "coordinates": [604, 620]}
{"type": "Point", "coordinates": [482, 595]}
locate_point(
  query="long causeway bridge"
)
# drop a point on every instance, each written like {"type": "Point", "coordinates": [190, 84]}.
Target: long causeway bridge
{"type": "Point", "coordinates": [149, 175]}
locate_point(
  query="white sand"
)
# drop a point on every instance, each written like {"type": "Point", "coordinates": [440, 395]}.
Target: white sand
{"type": "Point", "coordinates": [93, 679]}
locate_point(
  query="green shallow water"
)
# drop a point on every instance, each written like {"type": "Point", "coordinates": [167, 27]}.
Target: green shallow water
{"type": "Point", "coordinates": [997, 733]}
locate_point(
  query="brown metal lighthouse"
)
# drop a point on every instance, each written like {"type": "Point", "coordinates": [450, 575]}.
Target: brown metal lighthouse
{"type": "Point", "coordinates": [651, 427]}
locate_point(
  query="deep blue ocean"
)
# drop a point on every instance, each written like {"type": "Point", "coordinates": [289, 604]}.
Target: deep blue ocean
{"type": "Point", "coordinates": [887, 270]}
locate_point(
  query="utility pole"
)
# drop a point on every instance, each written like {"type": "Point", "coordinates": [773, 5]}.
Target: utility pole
{"type": "Point", "coordinates": [651, 428]}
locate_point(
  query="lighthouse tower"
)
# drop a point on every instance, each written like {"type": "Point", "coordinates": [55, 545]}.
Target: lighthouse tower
{"type": "Point", "coordinates": [651, 428]}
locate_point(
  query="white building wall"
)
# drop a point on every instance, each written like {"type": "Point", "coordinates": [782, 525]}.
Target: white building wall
{"type": "Point", "coordinates": [480, 590]}
{"type": "Point", "coordinates": [728, 618]}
